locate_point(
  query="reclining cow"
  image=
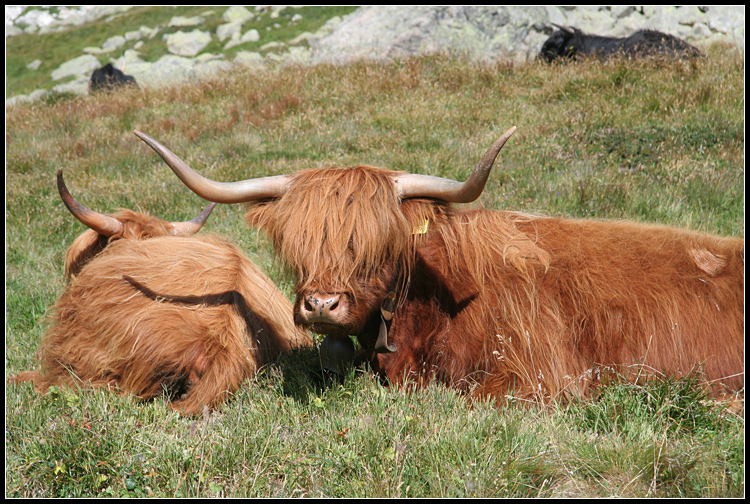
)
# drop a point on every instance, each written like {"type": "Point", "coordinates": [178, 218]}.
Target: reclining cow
{"type": "Point", "coordinates": [108, 78]}
{"type": "Point", "coordinates": [571, 43]}
{"type": "Point", "coordinates": [150, 309]}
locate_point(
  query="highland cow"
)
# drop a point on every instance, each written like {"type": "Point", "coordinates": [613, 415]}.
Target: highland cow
{"type": "Point", "coordinates": [494, 303]}
{"type": "Point", "coordinates": [108, 78]}
{"type": "Point", "coordinates": [149, 311]}
{"type": "Point", "coordinates": [571, 43]}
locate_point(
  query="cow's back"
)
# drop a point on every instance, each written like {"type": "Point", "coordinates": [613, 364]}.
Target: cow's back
{"type": "Point", "coordinates": [190, 315]}
{"type": "Point", "coordinates": [505, 301]}
{"type": "Point", "coordinates": [633, 293]}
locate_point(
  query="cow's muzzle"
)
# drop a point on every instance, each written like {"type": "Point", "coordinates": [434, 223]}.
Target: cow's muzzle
{"type": "Point", "coordinates": [324, 313]}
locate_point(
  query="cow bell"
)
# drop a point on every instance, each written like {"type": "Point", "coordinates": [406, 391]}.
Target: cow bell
{"type": "Point", "coordinates": [386, 317]}
{"type": "Point", "coordinates": [336, 353]}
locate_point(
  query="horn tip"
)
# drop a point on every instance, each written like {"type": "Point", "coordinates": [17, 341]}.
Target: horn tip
{"type": "Point", "coordinates": [508, 133]}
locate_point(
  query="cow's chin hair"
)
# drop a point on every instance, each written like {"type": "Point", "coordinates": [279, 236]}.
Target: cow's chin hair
{"type": "Point", "coordinates": [334, 330]}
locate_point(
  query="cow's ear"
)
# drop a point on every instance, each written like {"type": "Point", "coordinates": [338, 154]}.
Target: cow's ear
{"type": "Point", "coordinates": [261, 214]}
{"type": "Point", "coordinates": [447, 277]}
{"type": "Point", "coordinates": [433, 259]}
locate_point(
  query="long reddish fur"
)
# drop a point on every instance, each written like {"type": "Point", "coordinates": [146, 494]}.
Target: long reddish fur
{"type": "Point", "coordinates": [499, 303]}
{"type": "Point", "coordinates": [189, 316]}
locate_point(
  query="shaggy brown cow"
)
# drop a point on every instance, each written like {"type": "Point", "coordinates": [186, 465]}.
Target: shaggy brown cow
{"type": "Point", "coordinates": [152, 313]}
{"type": "Point", "coordinates": [493, 302]}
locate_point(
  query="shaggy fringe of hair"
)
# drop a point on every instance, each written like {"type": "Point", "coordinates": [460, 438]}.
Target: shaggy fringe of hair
{"type": "Point", "coordinates": [543, 302]}
{"type": "Point", "coordinates": [336, 227]}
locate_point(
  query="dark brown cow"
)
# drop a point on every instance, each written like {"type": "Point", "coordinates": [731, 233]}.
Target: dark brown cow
{"type": "Point", "coordinates": [493, 302]}
{"type": "Point", "coordinates": [571, 43]}
{"type": "Point", "coordinates": [149, 311]}
{"type": "Point", "coordinates": [108, 78]}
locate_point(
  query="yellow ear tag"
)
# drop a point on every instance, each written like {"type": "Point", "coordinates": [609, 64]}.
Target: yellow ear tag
{"type": "Point", "coordinates": [422, 229]}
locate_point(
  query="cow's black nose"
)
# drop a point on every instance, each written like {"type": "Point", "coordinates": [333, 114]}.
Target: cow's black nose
{"type": "Point", "coordinates": [321, 305]}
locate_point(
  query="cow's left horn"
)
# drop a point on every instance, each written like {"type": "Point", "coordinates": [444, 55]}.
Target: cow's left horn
{"type": "Point", "coordinates": [564, 28]}
{"type": "Point", "coordinates": [220, 192]}
{"type": "Point", "coordinates": [102, 224]}
{"type": "Point", "coordinates": [425, 186]}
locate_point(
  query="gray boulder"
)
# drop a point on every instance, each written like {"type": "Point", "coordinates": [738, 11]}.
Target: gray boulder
{"type": "Point", "coordinates": [385, 32]}
{"type": "Point", "coordinates": [236, 15]}
{"type": "Point", "coordinates": [186, 21]}
{"type": "Point", "coordinates": [82, 65]}
{"type": "Point", "coordinates": [187, 43]}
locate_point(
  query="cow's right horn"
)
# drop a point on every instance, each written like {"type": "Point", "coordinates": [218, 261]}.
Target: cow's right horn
{"type": "Point", "coordinates": [219, 192]}
{"type": "Point", "coordinates": [102, 224]}
{"type": "Point", "coordinates": [412, 185]}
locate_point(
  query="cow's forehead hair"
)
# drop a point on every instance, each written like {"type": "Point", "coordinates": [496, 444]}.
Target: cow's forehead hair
{"type": "Point", "coordinates": [338, 225]}
{"type": "Point", "coordinates": [335, 221]}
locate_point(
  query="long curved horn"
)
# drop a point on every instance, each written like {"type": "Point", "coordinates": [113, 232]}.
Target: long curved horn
{"type": "Point", "coordinates": [425, 186]}
{"type": "Point", "coordinates": [102, 224]}
{"type": "Point", "coordinates": [566, 29]}
{"type": "Point", "coordinates": [219, 192]}
{"type": "Point", "coordinates": [192, 226]}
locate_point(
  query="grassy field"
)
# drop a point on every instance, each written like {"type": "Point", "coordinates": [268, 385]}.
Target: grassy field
{"type": "Point", "coordinates": [652, 141]}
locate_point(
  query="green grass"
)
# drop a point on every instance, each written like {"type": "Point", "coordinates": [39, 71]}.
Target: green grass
{"type": "Point", "coordinates": [652, 141]}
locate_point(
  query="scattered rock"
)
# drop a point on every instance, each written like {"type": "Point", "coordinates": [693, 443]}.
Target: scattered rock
{"type": "Point", "coordinates": [45, 21]}
{"type": "Point", "coordinates": [228, 30]}
{"type": "Point", "coordinates": [113, 42]}
{"type": "Point", "coordinates": [97, 50]}
{"type": "Point", "coordinates": [82, 65]}
{"type": "Point", "coordinates": [37, 18]}
{"type": "Point", "coordinates": [29, 98]}
{"type": "Point", "coordinates": [186, 21]}
{"type": "Point", "coordinates": [254, 59]}
{"type": "Point", "coordinates": [249, 36]}
{"type": "Point", "coordinates": [79, 86]}
{"type": "Point", "coordinates": [142, 32]}
{"type": "Point", "coordinates": [12, 31]}
{"type": "Point", "coordinates": [271, 45]}
{"type": "Point", "coordinates": [236, 15]}
{"type": "Point", "coordinates": [187, 43]}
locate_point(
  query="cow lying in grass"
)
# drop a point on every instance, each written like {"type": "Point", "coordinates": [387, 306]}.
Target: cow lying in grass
{"type": "Point", "coordinates": [150, 309]}
{"type": "Point", "coordinates": [108, 78]}
{"type": "Point", "coordinates": [571, 43]}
